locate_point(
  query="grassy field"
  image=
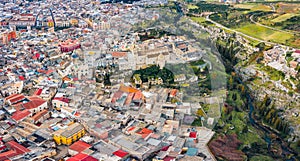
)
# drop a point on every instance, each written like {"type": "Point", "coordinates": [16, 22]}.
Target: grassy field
{"type": "Point", "coordinates": [198, 19]}
{"type": "Point", "coordinates": [264, 33]}
{"type": "Point", "coordinates": [254, 7]}
{"type": "Point", "coordinates": [192, 6]}
{"type": "Point", "coordinates": [261, 158]}
{"type": "Point", "coordinates": [284, 17]}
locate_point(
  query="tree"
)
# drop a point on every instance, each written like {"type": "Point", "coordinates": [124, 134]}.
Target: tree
{"type": "Point", "coordinates": [245, 129]}
{"type": "Point", "coordinates": [200, 113]}
{"type": "Point", "coordinates": [261, 46]}
{"type": "Point", "coordinates": [230, 82]}
{"type": "Point", "coordinates": [107, 80]}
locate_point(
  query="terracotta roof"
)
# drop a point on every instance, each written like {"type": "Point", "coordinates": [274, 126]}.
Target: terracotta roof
{"type": "Point", "coordinates": [66, 78]}
{"type": "Point", "coordinates": [80, 146]}
{"type": "Point", "coordinates": [63, 99]}
{"type": "Point", "coordinates": [20, 115]}
{"type": "Point", "coordinates": [129, 98]}
{"type": "Point", "coordinates": [11, 96]}
{"type": "Point", "coordinates": [38, 91]}
{"type": "Point", "coordinates": [120, 153]}
{"type": "Point", "coordinates": [34, 102]}
{"type": "Point", "coordinates": [39, 115]}
{"type": "Point", "coordinates": [182, 46]}
{"type": "Point", "coordinates": [7, 155]}
{"type": "Point", "coordinates": [173, 92]}
{"type": "Point", "coordinates": [19, 149]}
{"type": "Point", "coordinates": [124, 88]}
{"type": "Point", "coordinates": [82, 157]}
{"type": "Point", "coordinates": [45, 71]}
{"type": "Point", "coordinates": [138, 95]}
{"type": "Point", "coordinates": [145, 131]}
{"type": "Point", "coordinates": [118, 54]}
{"type": "Point", "coordinates": [21, 77]}
{"type": "Point", "coordinates": [131, 128]}
{"type": "Point", "coordinates": [15, 98]}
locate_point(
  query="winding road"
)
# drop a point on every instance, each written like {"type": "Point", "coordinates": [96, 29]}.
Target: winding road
{"type": "Point", "coordinates": [272, 28]}
{"type": "Point", "coordinates": [240, 33]}
{"type": "Point", "coordinates": [248, 36]}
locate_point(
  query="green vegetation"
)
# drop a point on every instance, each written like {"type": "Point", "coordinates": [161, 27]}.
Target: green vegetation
{"type": "Point", "coordinates": [152, 34]}
{"type": "Point", "coordinates": [234, 119]}
{"type": "Point", "coordinates": [287, 21]}
{"type": "Point", "coordinates": [284, 17]}
{"type": "Point", "coordinates": [197, 122]}
{"type": "Point", "coordinates": [261, 158]}
{"type": "Point", "coordinates": [273, 73]}
{"type": "Point", "coordinates": [198, 19]}
{"type": "Point", "coordinates": [201, 20]}
{"type": "Point", "coordinates": [261, 7]}
{"type": "Point", "coordinates": [238, 18]}
{"type": "Point", "coordinates": [264, 33]}
{"type": "Point", "coordinates": [192, 6]}
{"type": "Point", "coordinates": [209, 7]}
{"type": "Point", "coordinates": [213, 110]}
{"type": "Point", "coordinates": [155, 72]}
{"type": "Point", "coordinates": [245, 5]}
{"type": "Point", "coordinates": [253, 7]}
{"type": "Point", "coordinates": [271, 116]}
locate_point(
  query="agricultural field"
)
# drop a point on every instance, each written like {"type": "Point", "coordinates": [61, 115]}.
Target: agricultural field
{"type": "Point", "coordinates": [190, 6]}
{"type": "Point", "coordinates": [264, 33]}
{"type": "Point", "coordinates": [284, 17]}
{"type": "Point", "coordinates": [198, 19]}
{"type": "Point", "coordinates": [254, 7]}
{"type": "Point", "coordinates": [288, 7]}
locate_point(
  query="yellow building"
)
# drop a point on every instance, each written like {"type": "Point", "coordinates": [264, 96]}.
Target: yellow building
{"type": "Point", "coordinates": [69, 135]}
{"type": "Point", "coordinates": [74, 22]}
{"type": "Point", "coordinates": [50, 24]}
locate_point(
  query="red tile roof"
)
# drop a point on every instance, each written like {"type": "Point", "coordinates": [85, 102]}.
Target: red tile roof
{"type": "Point", "coordinates": [80, 146]}
{"type": "Point", "coordinates": [20, 115]}
{"type": "Point", "coordinates": [47, 72]}
{"type": "Point", "coordinates": [120, 153]}
{"type": "Point", "coordinates": [19, 149]}
{"type": "Point", "coordinates": [131, 128]}
{"type": "Point", "coordinates": [118, 54]}
{"type": "Point", "coordinates": [173, 92]}
{"type": "Point", "coordinates": [127, 89]}
{"type": "Point", "coordinates": [21, 77]}
{"type": "Point", "coordinates": [63, 99]}
{"type": "Point", "coordinates": [34, 102]}
{"type": "Point", "coordinates": [138, 96]}
{"type": "Point", "coordinates": [168, 158]}
{"type": "Point", "coordinates": [193, 134]}
{"type": "Point", "coordinates": [129, 98]}
{"type": "Point", "coordinates": [145, 131]}
{"type": "Point", "coordinates": [7, 155]}
{"type": "Point", "coordinates": [15, 98]}
{"type": "Point", "coordinates": [39, 115]}
{"type": "Point", "coordinates": [82, 157]}
{"type": "Point", "coordinates": [11, 96]}
{"type": "Point", "coordinates": [38, 91]}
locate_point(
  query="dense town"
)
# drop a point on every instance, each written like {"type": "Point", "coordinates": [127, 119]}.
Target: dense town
{"type": "Point", "coordinates": [60, 100]}
{"type": "Point", "coordinates": [80, 82]}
